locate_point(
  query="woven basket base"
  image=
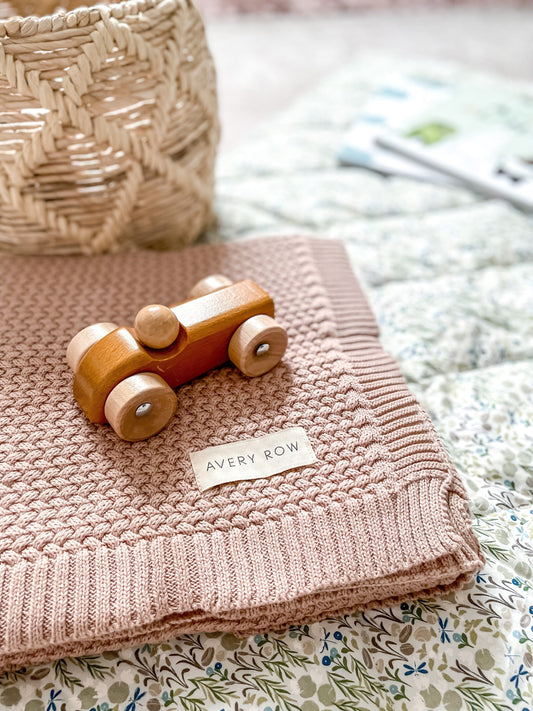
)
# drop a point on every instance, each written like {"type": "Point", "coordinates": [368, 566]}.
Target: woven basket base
{"type": "Point", "coordinates": [108, 126]}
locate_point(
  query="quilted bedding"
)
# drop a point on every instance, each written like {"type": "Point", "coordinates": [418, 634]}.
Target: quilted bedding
{"type": "Point", "coordinates": [450, 278]}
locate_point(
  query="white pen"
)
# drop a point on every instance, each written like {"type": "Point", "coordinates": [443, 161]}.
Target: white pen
{"type": "Point", "coordinates": [492, 187]}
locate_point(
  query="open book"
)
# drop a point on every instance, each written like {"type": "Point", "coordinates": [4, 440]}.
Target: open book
{"type": "Point", "coordinates": [428, 129]}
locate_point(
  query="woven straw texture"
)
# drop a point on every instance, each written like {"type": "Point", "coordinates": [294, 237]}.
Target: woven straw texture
{"type": "Point", "coordinates": [105, 543]}
{"type": "Point", "coordinates": [108, 126]}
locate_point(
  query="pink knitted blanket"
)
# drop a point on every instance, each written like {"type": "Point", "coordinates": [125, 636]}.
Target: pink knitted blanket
{"type": "Point", "coordinates": [105, 543]}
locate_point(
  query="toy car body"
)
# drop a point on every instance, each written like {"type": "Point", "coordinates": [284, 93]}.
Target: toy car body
{"type": "Point", "coordinates": [121, 380]}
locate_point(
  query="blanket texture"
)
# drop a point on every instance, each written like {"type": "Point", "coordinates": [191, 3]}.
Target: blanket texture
{"type": "Point", "coordinates": [105, 543]}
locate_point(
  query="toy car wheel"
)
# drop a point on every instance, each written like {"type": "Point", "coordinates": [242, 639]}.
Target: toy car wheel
{"type": "Point", "coordinates": [257, 345]}
{"type": "Point", "coordinates": [214, 282]}
{"type": "Point", "coordinates": [140, 406]}
{"type": "Point", "coordinates": [84, 340]}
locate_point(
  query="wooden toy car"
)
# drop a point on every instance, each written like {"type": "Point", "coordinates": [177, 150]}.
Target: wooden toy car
{"type": "Point", "coordinates": [125, 376]}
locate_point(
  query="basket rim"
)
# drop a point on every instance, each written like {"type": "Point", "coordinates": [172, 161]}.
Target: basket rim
{"type": "Point", "coordinates": [17, 27]}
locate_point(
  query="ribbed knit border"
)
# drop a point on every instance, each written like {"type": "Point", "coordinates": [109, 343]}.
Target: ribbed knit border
{"type": "Point", "coordinates": [334, 558]}
{"type": "Point", "coordinates": [116, 591]}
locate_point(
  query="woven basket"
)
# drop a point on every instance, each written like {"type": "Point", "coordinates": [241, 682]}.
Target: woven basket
{"type": "Point", "coordinates": [108, 125]}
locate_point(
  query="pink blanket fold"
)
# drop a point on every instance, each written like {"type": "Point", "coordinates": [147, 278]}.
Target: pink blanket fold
{"type": "Point", "coordinates": [105, 543]}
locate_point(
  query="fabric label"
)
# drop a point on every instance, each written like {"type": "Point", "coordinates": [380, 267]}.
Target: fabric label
{"type": "Point", "coordinates": [255, 458]}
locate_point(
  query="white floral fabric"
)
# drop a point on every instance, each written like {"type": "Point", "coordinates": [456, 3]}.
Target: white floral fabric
{"type": "Point", "coordinates": [450, 278]}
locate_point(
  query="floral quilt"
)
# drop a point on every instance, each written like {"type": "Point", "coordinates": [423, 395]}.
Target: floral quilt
{"type": "Point", "coordinates": [450, 278]}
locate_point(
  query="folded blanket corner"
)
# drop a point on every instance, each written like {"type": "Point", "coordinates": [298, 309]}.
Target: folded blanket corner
{"type": "Point", "coordinates": [105, 543]}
